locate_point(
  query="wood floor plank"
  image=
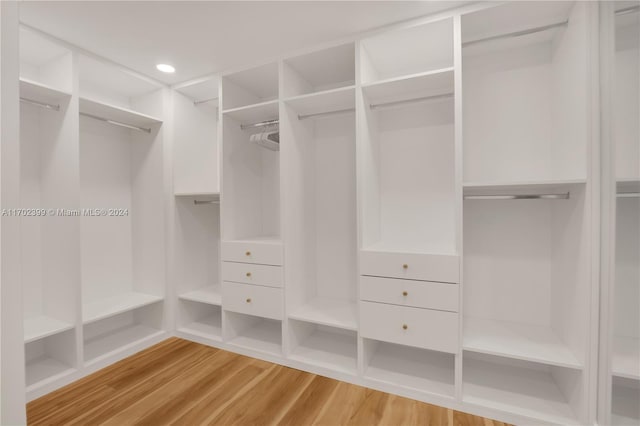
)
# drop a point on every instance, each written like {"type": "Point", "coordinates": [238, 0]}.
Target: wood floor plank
{"type": "Point", "coordinates": [183, 383]}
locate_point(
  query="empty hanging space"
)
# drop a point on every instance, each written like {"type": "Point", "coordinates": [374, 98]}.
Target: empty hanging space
{"type": "Point", "coordinates": [421, 370]}
{"type": "Point", "coordinates": [330, 348]}
{"type": "Point", "coordinates": [49, 245]}
{"type": "Point", "coordinates": [538, 391]}
{"type": "Point", "coordinates": [526, 87]}
{"type": "Point", "coordinates": [320, 188]}
{"type": "Point", "coordinates": [254, 333]}
{"type": "Point", "coordinates": [196, 146]}
{"type": "Point", "coordinates": [122, 231]}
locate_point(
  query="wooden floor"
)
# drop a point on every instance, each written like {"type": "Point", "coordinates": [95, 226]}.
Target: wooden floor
{"type": "Point", "coordinates": [184, 383]}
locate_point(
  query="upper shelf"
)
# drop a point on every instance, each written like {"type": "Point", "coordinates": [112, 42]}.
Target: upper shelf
{"type": "Point", "coordinates": [41, 93]}
{"type": "Point", "coordinates": [254, 113]}
{"type": "Point", "coordinates": [341, 99]}
{"type": "Point", "coordinates": [430, 83]}
{"type": "Point", "coordinates": [521, 187]}
{"type": "Point", "coordinates": [116, 113]}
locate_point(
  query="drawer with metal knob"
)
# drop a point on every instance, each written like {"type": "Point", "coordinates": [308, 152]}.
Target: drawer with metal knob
{"type": "Point", "coordinates": [422, 328]}
{"type": "Point", "coordinates": [250, 273]}
{"type": "Point", "coordinates": [413, 266]}
{"type": "Point", "coordinates": [419, 294]}
{"type": "Point", "coordinates": [264, 252]}
{"type": "Point", "coordinates": [250, 299]}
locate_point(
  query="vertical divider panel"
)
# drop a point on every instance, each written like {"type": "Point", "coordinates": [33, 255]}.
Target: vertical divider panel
{"type": "Point", "coordinates": [359, 105]}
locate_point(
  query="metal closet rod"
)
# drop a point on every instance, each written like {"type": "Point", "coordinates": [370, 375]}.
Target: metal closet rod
{"type": "Point", "coordinates": [411, 101]}
{"type": "Point", "coordinates": [40, 104]}
{"type": "Point", "coordinates": [260, 124]}
{"type": "Point", "coordinates": [200, 202]}
{"type": "Point", "coordinates": [629, 9]}
{"type": "Point", "coordinates": [561, 196]}
{"type": "Point", "coordinates": [116, 123]}
{"type": "Point", "coordinates": [517, 33]}
{"type": "Point", "coordinates": [325, 114]}
{"type": "Point", "coordinates": [628, 194]}
{"type": "Point", "coordinates": [204, 101]}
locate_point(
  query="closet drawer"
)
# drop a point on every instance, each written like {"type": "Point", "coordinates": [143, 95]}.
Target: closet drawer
{"type": "Point", "coordinates": [423, 328]}
{"type": "Point", "coordinates": [420, 294]}
{"type": "Point", "coordinates": [250, 299]}
{"type": "Point", "coordinates": [268, 252]}
{"type": "Point", "coordinates": [250, 273]}
{"type": "Point", "coordinates": [428, 267]}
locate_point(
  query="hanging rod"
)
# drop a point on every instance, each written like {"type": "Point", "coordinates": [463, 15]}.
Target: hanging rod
{"type": "Point", "coordinates": [562, 196]}
{"type": "Point", "coordinates": [517, 33]}
{"type": "Point", "coordinates": [626, 10]}
{"type": "Point", "coordinates": [260, 124]}
{"type": "Point", "coordinates": [410, 101]}
{"type": "Point", "coordinates": [117, 123]}
{"type": "Point", "coordinates": [325, 114]}
{"type": "Point", "coordinates": [199, 202]}
{"type": "Point", "coordinates": [628, 194]}
{"type": "Point", "coordinates": [204, 101]}
{"type": "Point", "coordinates": [41, 104]}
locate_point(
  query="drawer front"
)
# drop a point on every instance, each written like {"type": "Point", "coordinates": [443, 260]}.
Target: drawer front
{"type": "Point", "coordinates": [250, 273]}
{"type": "Point", "coordinates": [265, 253]}
{"type": "Point", "coordinates": [419, 294]}
{"type": "Point", "coordinates": [423, 328]}
{"type": "Point", "coordinates": [427, 267]}
{"type": "Point", "coordinates": [250, 299]}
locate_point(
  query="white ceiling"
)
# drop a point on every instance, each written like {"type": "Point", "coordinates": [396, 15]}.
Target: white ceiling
{"type": "Point", "coordinates": [202, 37]}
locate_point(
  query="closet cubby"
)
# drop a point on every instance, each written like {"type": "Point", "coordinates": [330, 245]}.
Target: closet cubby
{"type": "Point", "coordinates": [423, 370]}
{"type": "Point", "coordinates": [327, 347]}
{"type": "Point", "coordinates": [253, 333]}
{"type": "Point", "coordinates": [122, 186]}
{"type": "Point", "coordinates": [320, 71]}
{"type": "Point", "coordinates": [624, 402]}
{"type": "Point", "coordinates": [50, 358]}
{"type": "Point", "coordinates": [407, 52]}
{"type": "Point", "coordinates": [196, 146]}
{"type": "Point", "coordinates": [547, 393]}
{"type": "Point", "coordinates": [198, 249]}
{"type": "Point", "coordinates": [115, 333]}
{"type": "Point", "coordinates": [320, 213]}
{"type": "Point", "coordinates": [250, 87]}
{"type": "Point", "coordinates": [525, 105]}
{"type": "Point", "coordinates": [200, 319]}
{"type": "Point", "coordinates": [45, 68]}
{"type": "Point", "coordinates": [407, 172]}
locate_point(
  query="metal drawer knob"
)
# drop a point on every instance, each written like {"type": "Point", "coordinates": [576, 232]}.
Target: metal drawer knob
{"type": "Point", "coordinates": [405, 266]}
{"type": "Point", "coordinates": [405, 326]}
{"type": "Point", "coordinates": [248, 253]}
{"type": "Point", "coordinates": [249, 300]}
{"type": "Point", "coordinates": [248, 274]}
{"type": "Point", "coordinates": [404, 293]}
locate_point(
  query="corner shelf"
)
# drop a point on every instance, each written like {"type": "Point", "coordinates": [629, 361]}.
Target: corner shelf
{"type": "Point", "coordinates": [436, 82]}
{"type": "Point", "coordinates": [42, 326]}
{"type": "Point", "coordinates": [210, 295]}
{"type": "Point", "coordinates": [626, 357]}
{"type": "Point", "coordinates": [41, 92]}
{"type": "Point", "coordinates": [116, 113]}
{"type": "Point", "coordinates": [518, 341]}
{"type": "Point", "coordinates": [329, 312]}
{"type": "Point", "coordinates": [102, 309]}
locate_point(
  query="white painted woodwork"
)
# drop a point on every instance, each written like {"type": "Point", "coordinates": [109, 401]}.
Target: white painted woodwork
{"type": "Point", "coordinates": [253, 300]}
{"type": "Point", "coordinates": [418, 294]}
{"type": "Point", "coordinates": [248, 273]}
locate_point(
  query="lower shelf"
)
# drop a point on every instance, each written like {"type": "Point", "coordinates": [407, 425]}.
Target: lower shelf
{"type": "Point", "coordinates": [43, 326]}
{"type": "Point", "coordinates": [209, 327]}
{"type": "Point", "coordinates": [334, 313]}
{"type": "Point", "coordinates": [626, 353]}
{"type": "Point", "coordinates": [258, 334]}
{"type": "Point", "coordinates": [330, 349]}
{"type": "Point", "coordinates": [513, 386]}
{"type": "Point", "coordinates": [106, 343]}
{"type": "Point", "coordinates": [423, 370]}
{"type": "Point", "coordinates": [625, 409]}
{"type": "Point", "coordinates": [45, 369]}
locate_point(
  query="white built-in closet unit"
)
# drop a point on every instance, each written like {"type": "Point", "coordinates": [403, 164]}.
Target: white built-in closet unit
{"type": "Point", "coordinates": [93, 240]}
{"type": "Point", "coordinates": [426, 224]}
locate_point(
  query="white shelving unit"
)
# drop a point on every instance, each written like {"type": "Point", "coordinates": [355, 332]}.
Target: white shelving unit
{"type": "Point", "coordinates": [328, 347]}
{"type": "Point", "coordinates": [49, 359]}
{"type": "Point", "coordinates": [257, 334]}
{"type": "Point", "coordinates": [329, 312]}
{"type": "Point", "coordinates": [209, 295]}
{"type": "Point", "coordinates": [115, 305]}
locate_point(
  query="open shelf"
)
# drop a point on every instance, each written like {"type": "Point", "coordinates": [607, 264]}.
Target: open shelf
{"type": "Point", "coordinates": [116, 113]}
{"type": "Point", "coordinates": [541, 186]}
{"type": "Point", "coordinates": [259, 239]}
{"type": "Point", "coordinates": [210, 295]}
{"type": "Point", "coordinates": [45, 369]}
{"type": "Point", "coordinates": [341, 99]}
{"type": "Point", "coordinates": [249, 87]}
{"type": "Point", "coordinates": [114, 340]}
{"type": "Point", "coordinates": [209, 327]}
{"type": "Point", "coordinates": [625, 395]}
{"type": "Point", "coordinates": [254, 333]}
{"type": "Point", "coordinates": [419, 369]}
{"type": "Point", "coordinates": [518, 341]}
{"type": "Point", "coordinates": [205, 89]}
{"type": "Point", "coordinates": [331, 312]}
{"type": "Point", "coordinates": [213, 196]}
{"type": "Point", "coordinates": [626, 357]}
{"type": "Point", "coordinates": [430, 83]}
{"type": "Point", "coordinates": [326, 347]}
{"type": "Point", "coordinates": [116, 305]}
{"type": "Point", "coordinates": [36, 328]}
{"type": "Point", "coordinates": [519, 388]}
{"type": "Point", "coordinates": [41, 92]}
{"type": "Point", "coordinates": [254, 113]}
{"type": "Point", "coordinates": [50, 358]}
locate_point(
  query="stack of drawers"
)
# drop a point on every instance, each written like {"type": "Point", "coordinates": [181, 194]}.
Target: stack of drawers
{"type": "Point", "coordinates": [410, 299]}
{"type": "Point", "coordinates": [252, 278]}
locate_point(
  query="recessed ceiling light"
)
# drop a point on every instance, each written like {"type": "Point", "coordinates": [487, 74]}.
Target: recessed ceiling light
{"type": "Point", "coordinates": [166, 68]}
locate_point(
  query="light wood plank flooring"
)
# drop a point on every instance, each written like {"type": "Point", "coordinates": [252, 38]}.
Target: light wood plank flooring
{"type": "Point", "coordinates": [183, 383]}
